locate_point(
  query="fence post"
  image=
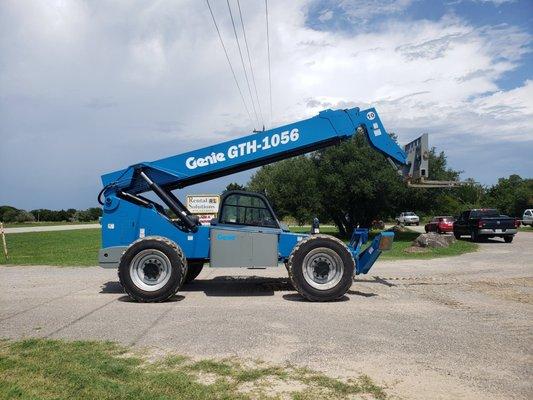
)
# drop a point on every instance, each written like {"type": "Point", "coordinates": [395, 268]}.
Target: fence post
{"type": "Point", "coordinates": [2, 233]}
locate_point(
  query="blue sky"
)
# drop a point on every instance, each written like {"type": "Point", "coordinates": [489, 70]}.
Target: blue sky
{"type": "Point", "coordinates": [91, 87]}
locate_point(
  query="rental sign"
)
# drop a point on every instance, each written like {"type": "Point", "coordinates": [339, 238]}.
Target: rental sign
{"type": "Point", "coordinates": [203, 204]}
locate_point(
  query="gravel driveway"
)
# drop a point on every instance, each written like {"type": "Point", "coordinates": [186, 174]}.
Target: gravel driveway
{"type": "Point", "coordinates": [445, 328]}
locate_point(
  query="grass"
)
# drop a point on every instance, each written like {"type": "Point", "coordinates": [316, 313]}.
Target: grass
{"type": "Point", "coordinates": [63, 248]}
{"type": "Point", "coordinates": [403, 240]}
{"type": "Point", "coordinates": [53, 369]}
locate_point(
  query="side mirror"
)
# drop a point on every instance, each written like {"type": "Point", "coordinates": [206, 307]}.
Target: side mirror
{"type": "Point", "coordinates": [214, 221]}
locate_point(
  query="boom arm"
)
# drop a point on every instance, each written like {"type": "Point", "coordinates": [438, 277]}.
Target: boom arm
{"type": "Point", "coordinates": [329, 127]}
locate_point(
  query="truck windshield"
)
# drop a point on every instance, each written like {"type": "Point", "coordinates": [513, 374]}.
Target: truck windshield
{"type": "Point", "coordinates": [409, 214]}
{"type": "Point", "coordinates": [485, 214]}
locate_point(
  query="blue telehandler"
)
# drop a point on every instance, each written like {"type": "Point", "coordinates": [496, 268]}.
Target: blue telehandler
{"type": "Point", "coordinates": [156, 254]}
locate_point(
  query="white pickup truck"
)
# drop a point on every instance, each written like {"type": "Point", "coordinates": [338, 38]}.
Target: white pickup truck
{"type": "Point", "coordinates": [527, 218]}
{"type": "Point", "coordinates": [408, 218]}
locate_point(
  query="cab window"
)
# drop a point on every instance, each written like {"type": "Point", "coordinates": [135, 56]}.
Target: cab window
{"type": "Point", "coordinates": [243, 209]}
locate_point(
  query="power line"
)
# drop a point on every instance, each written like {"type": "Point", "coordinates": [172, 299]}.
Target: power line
{"type": "Point", "coordinates": [268, 50]}
{"type": "Point", "coordinates": [229, 62]}
{"type": "Point", "coordinates": [242, 61]}
{"type": "Point", "coordinates": [250, 62]}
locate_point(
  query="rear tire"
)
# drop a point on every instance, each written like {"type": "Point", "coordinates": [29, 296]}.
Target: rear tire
{"type": "Point", "coordinates": [456, 235]}
{"type": "Point", "coordinates": [193, 270]}
{"type": "Point", "coordinates": [474, 236]}
{"type": "Point", "coordinates": [321, 268]}
{"type": "Point", "coordinates": [508, 239]}
{"type": "Point", "coordinates": [426, 229]}
{"type": "Point", "coordinates": [152, 269]}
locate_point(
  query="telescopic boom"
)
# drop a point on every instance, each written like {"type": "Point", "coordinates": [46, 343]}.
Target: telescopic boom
{"type": "Point", "coordinates": [328, 128]}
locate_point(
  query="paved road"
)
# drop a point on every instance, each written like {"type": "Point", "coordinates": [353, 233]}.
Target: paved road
{"type": "Point", "coordinates": [50, 228]}
{"type": "Point", "coordinates": [456, 328]}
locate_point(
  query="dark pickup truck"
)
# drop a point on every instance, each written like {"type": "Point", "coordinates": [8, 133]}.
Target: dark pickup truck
{"type": "Point", "coordinates": [485, 223]}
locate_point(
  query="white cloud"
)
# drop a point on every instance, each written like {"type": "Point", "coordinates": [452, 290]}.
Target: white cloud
{"type": "Point", "coordinates": [364, 10]}
{"type": "Point", "coordinates": [325, 15]}
{"type": "Point", "coordinates": [91, 87]}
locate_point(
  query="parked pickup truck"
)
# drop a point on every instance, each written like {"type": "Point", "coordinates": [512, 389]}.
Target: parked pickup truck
{"type": "Point", "coordinates": [485, 223]}
{"type": "Point", "coordinates": [408, 218]}
{"type": "Point", "coordinates": [527, 218]}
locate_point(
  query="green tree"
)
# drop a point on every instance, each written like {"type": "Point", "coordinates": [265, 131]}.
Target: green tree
{"type": "Point", "coordinates": [15, 215]}
{"type": "Point", "coordinates": [234, 186]}
{"type": "Point", "coordinates": [10, 215]}
{"type": "Point", "coordinates": [291, 187]}
{"type": "Point", "coordinates": [24, 216]}
{"type": "Point", "coordinates": [356, 184]}
{"type": "Point", "coordinates": [4, 210]}
{"type": "Point", "coordinates": [352, 184]}
{"type": "Point", "coordinates": [94, 213]}
{"type": "Point", "coordinates": [511, 195]}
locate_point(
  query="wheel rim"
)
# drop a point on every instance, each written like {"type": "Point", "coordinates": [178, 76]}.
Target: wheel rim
{"type": "Point", "coordinates": [322, 268]}
{"type": "Point", "coordinates": [150, 270]}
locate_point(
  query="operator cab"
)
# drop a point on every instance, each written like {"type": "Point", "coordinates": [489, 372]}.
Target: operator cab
{"type": "Point", "coordinates": [246, 209]}
{"type": "Point", "coordinates": [246, 233]}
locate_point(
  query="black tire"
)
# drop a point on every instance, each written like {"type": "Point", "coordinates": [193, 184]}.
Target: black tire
{"type": "Point", "coordinates": [456, 235]}
{"type": "Point", "coordinates": [156, 253]}
{"type": "Point", "coordinates": [426, 229]}
{"type": "Point", "coordinates": [418, 223]}
{"type": "Point", "coordinates": [193, 270]}
{"type": "Point", "coordinates": [474, 236]}
{"type": "Point", "coordinates": [508, 238]}
{"type": "Point", "coordinates": [325, 252]}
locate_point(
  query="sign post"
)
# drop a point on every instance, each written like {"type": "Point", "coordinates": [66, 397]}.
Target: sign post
{"type": "Point", "coordinates": [2, 233]}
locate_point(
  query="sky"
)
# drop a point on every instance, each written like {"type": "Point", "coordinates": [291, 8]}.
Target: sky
{"type": "Point", "coordinates": [89, 87]}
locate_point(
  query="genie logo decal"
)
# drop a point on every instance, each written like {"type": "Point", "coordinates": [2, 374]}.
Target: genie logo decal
{"type": "Point", "coordinates": [245, 148]}
{"type": "Point", "coordinates": [221, 236]}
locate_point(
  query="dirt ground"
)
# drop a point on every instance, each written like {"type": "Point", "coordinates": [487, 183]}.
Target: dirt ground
{"type": "Point", "coordinates": [450, 328]}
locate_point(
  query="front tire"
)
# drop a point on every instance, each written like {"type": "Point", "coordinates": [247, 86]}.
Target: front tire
{"type": "Point", "coordinates": [321, 268]}
{"type": "Point", "coordinates": [474, 236]}
{"type": "Point", "coordinates": [152, 269]}
{"type": "Point", "coordinates": [508, 239]}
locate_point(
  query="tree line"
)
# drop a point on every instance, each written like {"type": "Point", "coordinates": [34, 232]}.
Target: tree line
{"type": "Point", "coordinates": [352, 184]}
{"type": "Point", "coordinates": [12, 214]}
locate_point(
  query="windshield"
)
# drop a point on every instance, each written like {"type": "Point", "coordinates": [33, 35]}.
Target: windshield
{"type": "Point", "coordinates": [409, 214]}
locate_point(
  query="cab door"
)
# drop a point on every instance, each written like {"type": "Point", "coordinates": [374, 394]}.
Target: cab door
{"type": "Point", "coordinates": [246, 233]}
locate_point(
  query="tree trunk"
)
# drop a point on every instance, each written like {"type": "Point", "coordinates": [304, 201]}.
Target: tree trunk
{"type": "Point", "coordinates": [338, 222]}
